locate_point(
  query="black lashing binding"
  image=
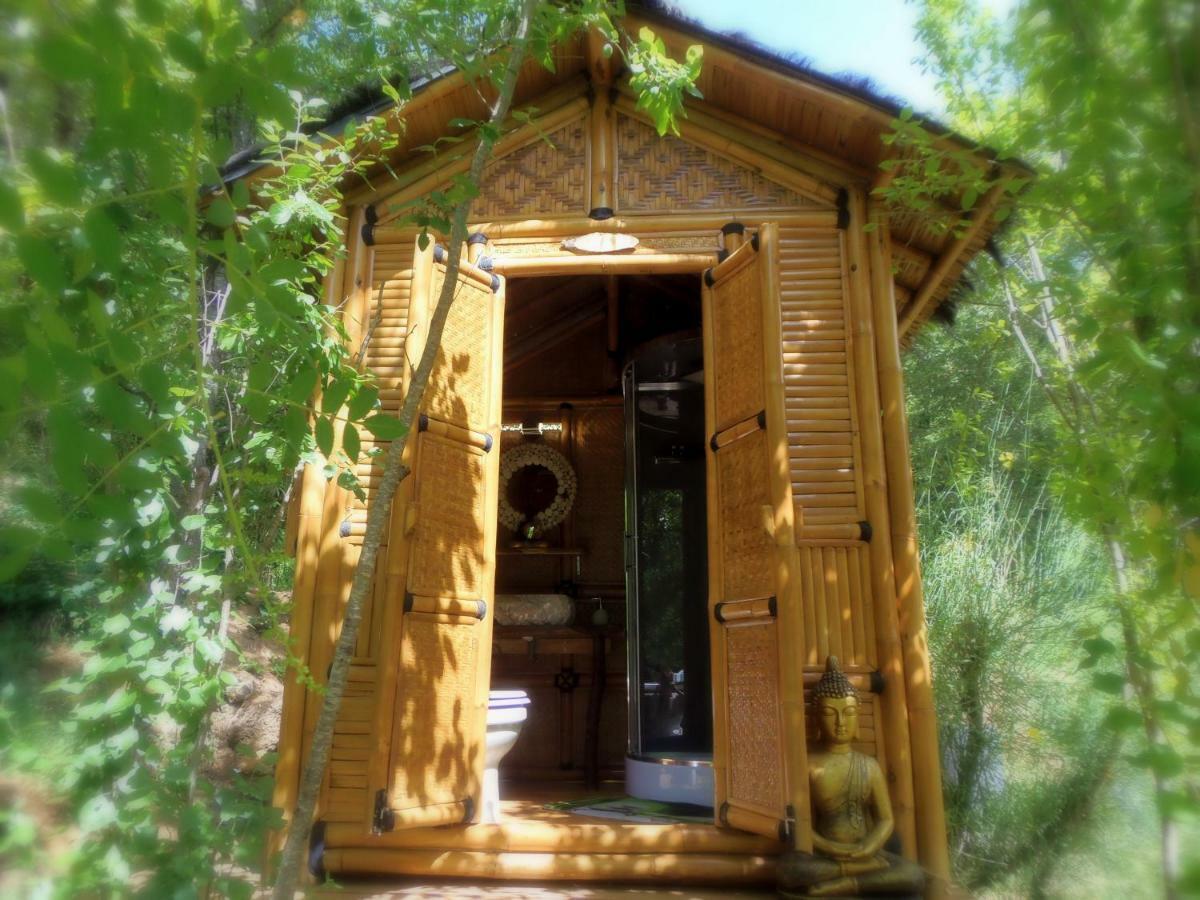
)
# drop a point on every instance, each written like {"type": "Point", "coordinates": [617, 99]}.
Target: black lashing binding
{"type": "Point", "coordinates": [344, 529]}
{"type": "Point", "coordinates": [877, 684]}
{"type": "Point", "coordinates": [713, 445]}
{"type": "Point", "coordinates": [468, 810]}
{"type": "Point", "coordinates": [487, 443]}
{"type": "Point", "coordinates": [865, 531]}
{"type": "Point", "coordinates": [495, 284]}
{"type": "Point", "coordinates": [422, 422]}
{"type": "Point", "coordinates": [316, 850]}
{"type": "Point", "coordinates": [600, 213]}
{"type": "Point", "coordinates": [723, 814]}
{"type": "Point", "coordinates": [773, 607]}
{"type": "Point", "coordinates": [761, 418]}
{"type": "Point", "coordinates": [409, 600]}
{"type": "Point", "coordinates": [481, 610]}
{"type": "Point", "coordinates": [733, 228]}
{"type": "Point", "coordinates": [754, 242]}
{"type": "Point", "coordinates": [843, 208]}
{"type": "Point", "coordinates": [722, 255]}
{"type": "Point", "coordinates": [477, 237]}
{"type": "Point", "coordinates": [368, 229]}
{"type": "Point", "coordinates": [785, 827]}
{"type": "Point", "coordinates": [486, 263]}
{"type": "Point", "coordinates": [384, 819]}
{"type": "Point", "coordinates": [439, 253]}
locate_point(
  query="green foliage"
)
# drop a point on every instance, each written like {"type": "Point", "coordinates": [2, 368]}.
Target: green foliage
{"type": "Point", "coordinates": [660, 81]}
{"type": "Point", "coordinates": [162, 337]}
{"type": "Point", "coordinates": [1101, 295]}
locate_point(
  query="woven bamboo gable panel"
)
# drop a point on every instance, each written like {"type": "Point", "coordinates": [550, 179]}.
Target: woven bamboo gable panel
{"type": "Point", "coordinates": [543, 178]}
{"type": "Point", "coordinates": [665, 174]}
{"type": "Point", "coordinates": [823, 449]}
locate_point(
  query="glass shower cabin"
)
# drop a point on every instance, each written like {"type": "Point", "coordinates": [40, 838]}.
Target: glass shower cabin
{"type": "Point", "coordinates": [669, 754]}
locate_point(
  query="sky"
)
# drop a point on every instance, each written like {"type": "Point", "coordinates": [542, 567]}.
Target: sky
{"type": "Point", "coordinates": [871, 38]}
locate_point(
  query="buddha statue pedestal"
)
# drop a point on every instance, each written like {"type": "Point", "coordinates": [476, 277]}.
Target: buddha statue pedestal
{"type": "Point", "coordinates": [851, 811]}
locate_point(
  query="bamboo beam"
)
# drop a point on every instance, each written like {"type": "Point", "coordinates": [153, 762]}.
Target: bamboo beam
{"type": "Point", "coordinates": [639, 264]}
{"type": "Point", "coordinates": [680, 868]}
{"type": "Point", "coordinates": [874, 485]}
{"type": "Point", "coordinates": [934, 853]}
{"type": "Point", "coordinates": [724, 142]}
{"type": "Point", "coordinates": [641, 224]}
{"type": "Point", "coordinates": [980, 216]}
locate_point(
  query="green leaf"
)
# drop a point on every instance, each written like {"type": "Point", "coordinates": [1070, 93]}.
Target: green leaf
{"type": "Point", "coordinates": [362, 403]}
{"type": "Point", "coordinates": [324, 435]}
{"type": "Point", "coordinates": [12, 215]}
{"type": "Point", "coordinates": [220, 212]}
{"type": "Point", "coordinates": [1108, 682]}
{"type": "Point", "coordinates": [116, 624]}
{"type": "Point", "coordinates": [351, 442]}
{"type": "Point", "coordinates": [385, 427]}
{"type": "Point", "coordinates": [192, 522]}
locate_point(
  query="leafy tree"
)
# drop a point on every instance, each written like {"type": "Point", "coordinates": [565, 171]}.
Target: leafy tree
{"type": "Point", "coordinates": [1101, 293]}
{"type": "Point", "coordinates": [163, 335]}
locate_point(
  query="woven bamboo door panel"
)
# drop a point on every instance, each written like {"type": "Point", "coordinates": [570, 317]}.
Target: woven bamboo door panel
{"type": "Point", "coordinates": [440, 653]}
{"type": "Point", "coordinates": [751, 548]}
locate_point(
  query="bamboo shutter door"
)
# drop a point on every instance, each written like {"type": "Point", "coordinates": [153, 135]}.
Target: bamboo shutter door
{"type": "Point", "coordinates": [433, 729]}
{"type": "Point", "coordinates": [758, 727]}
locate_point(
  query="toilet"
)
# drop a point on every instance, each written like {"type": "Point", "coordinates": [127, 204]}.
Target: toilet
{"type": "Point", "coordinates": [506, 714]}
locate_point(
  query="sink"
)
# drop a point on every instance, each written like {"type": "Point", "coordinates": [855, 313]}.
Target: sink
{"type": "Point", "coordinates": [534, 609]}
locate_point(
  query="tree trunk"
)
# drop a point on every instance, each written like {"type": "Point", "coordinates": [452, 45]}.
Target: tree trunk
{"type": "Point", "coordinates": [377, 516]}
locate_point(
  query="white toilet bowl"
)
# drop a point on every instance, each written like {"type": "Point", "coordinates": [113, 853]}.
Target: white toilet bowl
{"type": "Point", "coordinates": [507, 711]}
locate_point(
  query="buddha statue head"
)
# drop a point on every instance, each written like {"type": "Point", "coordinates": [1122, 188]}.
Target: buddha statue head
{"type": "Point", "coordinates": [836, 706]}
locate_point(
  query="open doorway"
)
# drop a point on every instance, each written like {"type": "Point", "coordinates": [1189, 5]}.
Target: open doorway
{"type": "Point", "coordinates": [601, 620]}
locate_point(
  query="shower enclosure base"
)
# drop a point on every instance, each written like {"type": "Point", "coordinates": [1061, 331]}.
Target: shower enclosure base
{"type": "Point", "coordinates": [683, 778]}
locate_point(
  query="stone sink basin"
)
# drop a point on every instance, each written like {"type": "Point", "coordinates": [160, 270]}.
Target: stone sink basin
{"type": "Point", "coordinates": [534, 609]}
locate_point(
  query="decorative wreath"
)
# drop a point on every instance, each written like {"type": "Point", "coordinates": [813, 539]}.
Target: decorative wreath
{"type": "Point", "coordinates": [537, 454]}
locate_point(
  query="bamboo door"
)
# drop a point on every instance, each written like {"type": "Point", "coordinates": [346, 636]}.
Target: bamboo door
{"type": "Point", "coordinates": [430, 728]}
{"type": "Point", "coordinates": [758, 724]}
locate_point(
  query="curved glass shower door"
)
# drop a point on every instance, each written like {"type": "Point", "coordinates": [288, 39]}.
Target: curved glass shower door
{"type": "Point", "coordinates": [666, 575]}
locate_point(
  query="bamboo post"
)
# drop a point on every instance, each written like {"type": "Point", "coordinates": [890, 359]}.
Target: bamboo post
{"type": "Point", "coordinates": [874, 476]}
{"type": "Point", "coordinates": [601, 142]}
{"type": "Point", "coordinates": [716, 574]}
{"type": "Point", "coordinates": [927, 772]}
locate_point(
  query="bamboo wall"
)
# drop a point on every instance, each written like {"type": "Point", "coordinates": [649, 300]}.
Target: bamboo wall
{"type": "Point", "coordinates": [676, 192]}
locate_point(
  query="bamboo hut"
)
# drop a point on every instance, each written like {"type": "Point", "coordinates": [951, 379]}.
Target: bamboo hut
{"type": "Point", "coordinates": [744, 238]}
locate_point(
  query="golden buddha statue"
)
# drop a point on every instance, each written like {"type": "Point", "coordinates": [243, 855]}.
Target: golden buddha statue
{"type": "Point", "coordinates": [852, 813]}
